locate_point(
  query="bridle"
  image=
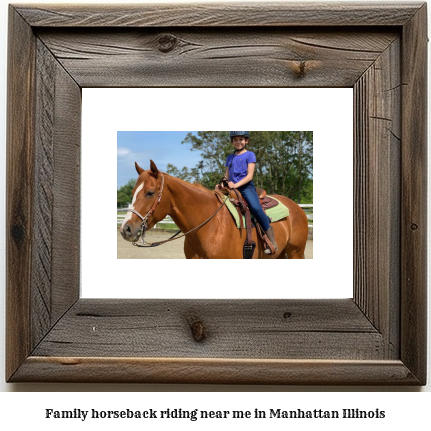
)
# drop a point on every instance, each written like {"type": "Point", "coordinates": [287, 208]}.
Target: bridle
{"type": "Point", "coordinates": [144, 224]}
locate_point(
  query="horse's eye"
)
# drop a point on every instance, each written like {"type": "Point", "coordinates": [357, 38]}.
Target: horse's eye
{"type": "Point", "coordinates": [149, 194]}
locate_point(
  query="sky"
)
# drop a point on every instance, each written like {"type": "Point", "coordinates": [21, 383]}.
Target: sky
{"type": "Point", "coordinates": [161, 147]}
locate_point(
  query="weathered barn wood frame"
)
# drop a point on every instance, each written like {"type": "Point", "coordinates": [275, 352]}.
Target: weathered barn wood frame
{"type": "Point", "coordinates": [378, 337]}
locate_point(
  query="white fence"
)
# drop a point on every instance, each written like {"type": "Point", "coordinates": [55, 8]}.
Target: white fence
{"type": "Point", "coordinates": [308, 209]}
{"type": "Point", "coordinates": [121, 214]}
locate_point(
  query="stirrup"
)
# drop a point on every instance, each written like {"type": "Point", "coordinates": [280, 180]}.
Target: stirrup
{"type": "Point", "coordinates": [269, 249]}
{"type": "Point", "coordinates": [270, 240]}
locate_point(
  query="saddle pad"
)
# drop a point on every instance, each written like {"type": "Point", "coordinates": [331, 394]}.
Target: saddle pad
{"type": "Point", "coordinates": [276, 213]}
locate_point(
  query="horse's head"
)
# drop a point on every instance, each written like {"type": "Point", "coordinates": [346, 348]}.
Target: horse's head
{"type": "Point", "coordinates": [147, 204]}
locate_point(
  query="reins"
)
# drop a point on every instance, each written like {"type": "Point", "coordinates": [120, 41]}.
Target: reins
{"type": "Point", "coordinates": [144, 224]}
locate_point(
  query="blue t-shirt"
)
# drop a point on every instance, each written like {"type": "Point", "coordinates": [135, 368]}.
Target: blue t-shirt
{"type": "Point", "coordinates": [238, 165]}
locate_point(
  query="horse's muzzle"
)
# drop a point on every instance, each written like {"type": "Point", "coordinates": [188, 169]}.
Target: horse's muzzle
{"type": "Point", "coordinates": [129, 233]}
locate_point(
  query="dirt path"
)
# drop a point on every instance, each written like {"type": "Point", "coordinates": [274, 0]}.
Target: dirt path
{"type": "Point", "coordinates": [172, 250]}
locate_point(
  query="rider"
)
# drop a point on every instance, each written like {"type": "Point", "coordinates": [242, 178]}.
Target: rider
{"type": "Point", "coordinates": [239, 170]}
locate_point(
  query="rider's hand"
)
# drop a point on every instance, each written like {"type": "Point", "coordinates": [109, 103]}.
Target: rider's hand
{"type": "Point", "coordinates": [232, 185]}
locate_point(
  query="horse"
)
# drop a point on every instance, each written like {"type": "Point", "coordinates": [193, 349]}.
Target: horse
{"type": "Point", "coordinates": [194, 208]}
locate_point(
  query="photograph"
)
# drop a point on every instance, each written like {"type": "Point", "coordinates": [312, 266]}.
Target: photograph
{"type": "Point", "coordinates": [244, 195]}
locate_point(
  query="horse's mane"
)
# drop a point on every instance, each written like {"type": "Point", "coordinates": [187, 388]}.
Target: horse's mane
{"type": "Point", "coordinates": [198, 186]}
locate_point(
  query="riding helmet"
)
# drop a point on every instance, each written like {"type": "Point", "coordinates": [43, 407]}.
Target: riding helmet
{"type": "Point", "coordinates": [245, 134]}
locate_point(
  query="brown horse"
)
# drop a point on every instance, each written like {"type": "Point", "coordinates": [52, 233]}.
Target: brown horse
{"type": "Point", "coordinates": [157, 195]}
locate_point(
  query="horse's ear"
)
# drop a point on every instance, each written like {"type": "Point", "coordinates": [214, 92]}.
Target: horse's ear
{"type": "Point", "coordinates": [153, 168]}
{"type": "Point", "coordinates": [139, 170]}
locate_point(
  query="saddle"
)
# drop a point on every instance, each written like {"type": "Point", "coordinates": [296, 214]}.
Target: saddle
{"type": "Point", "coordinates": [241, 205]}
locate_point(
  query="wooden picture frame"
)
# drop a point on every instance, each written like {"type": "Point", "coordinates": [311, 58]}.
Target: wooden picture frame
{"type": "Point", "coordinates": [378, 337]}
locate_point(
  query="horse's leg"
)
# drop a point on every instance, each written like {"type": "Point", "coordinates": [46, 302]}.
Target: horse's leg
{"type": "Point", "coordinates": [295, 247]}
{"type": "Point", "coordinates": [293, 252]}
{"type": "Point", "coordinates": [296, 255]}
{"type": "Point", "coordinates": [284, 229]}
{"type": "Point", "coordinates": [283, 255]}
{"type": "Point", "coordinates": [189, 252]}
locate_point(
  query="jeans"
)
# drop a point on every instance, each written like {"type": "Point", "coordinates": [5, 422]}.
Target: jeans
{"type": "Point", "coordinates": [249, 194]}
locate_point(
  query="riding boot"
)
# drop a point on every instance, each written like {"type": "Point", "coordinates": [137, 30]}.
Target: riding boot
{"type": "Point", "coordinates": [270, 234]}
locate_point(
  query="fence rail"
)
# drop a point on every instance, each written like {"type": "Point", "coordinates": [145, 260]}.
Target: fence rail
{"type": "Point", "coordinates": [121, 217]}
{"type": "Point", "coordinates": [308, 208]}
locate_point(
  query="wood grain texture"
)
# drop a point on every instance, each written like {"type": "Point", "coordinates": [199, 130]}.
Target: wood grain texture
{"type": "Point", "coordinates": [268, 329]}
{"type": "Point", "coordinates": [55, 278]}
{"type": "Point", "coordinates": [378, 337]}
{"type": "Point", "coordinates": [413, 194]}
{"type": "Point", "coordinates": [19, 195]}
{"type": "Point", "coordinates": [377, 182]}
{"type": "Point", "coordinates": [43, 191]}
{"type": "Point", "coordinates": [220, 15]}
{"type": "Point", "coordinates": [43, 194]}
{"type": "Point", "coordinates": [210, 57]}
{"type": "Point", "coordinates": [215, 371]}
{"type": "Point", "coordinates": [67, 194]}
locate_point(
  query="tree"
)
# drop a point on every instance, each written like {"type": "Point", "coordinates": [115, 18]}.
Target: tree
{"type": "Point", "coordinates": [284, 161]}
{"type": "Point", "coordinates": [214, 148]}
{"type": "Point", "coordinates": [124, 194]}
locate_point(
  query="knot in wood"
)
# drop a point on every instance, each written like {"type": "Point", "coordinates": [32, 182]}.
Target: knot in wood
{"type": "Point", "coordinates": [300, 69]}
{"type": "Point", "coordinates": [167, 42]}
{"type": "Point", "coordinates": [18, 233]}
{"type": "Point", "coordinates": [197, 327]}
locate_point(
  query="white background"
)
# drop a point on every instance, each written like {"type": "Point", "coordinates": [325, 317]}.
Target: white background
{"type": "Point", "coordinates": [406, 410]}
{"type": "Point", "coordinates": [328, 275]}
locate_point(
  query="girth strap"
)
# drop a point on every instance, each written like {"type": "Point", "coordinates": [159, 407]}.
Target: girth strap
{"type": "Point", "coordinates": [242, 205]}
